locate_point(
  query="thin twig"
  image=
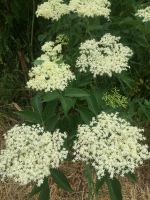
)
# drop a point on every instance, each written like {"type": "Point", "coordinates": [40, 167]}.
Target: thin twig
{"type": "Point", "coordinates": [23, 64]}
{"type": "Point", "coordinates": [32, 31]}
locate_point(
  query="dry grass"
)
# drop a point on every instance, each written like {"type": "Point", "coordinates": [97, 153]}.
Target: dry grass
{"type": "Point", "coordinates": [74, 172]}
{"type": "Point", "coordinates": [139, 191]}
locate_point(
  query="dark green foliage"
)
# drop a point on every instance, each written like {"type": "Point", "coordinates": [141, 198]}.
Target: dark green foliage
{"type": "Point", "coordinates": [89, 177]}
{"type": "Point", "coordinates": [132, 177]}
{"type": "Point", "coordinates": [114, 188]}
{"type": "Point", "coordinates": [61, 180]}
{"type": "Point", "coordinates": [98, 185]}
{"type": "Point", "coordinates": [18, 45]}
{"type": "Point", "coordinates": [43, 191]}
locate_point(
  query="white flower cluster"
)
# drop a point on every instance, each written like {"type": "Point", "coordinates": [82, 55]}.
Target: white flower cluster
{"type": "Point", "coordinates": [52, 9]}
{"type": "Point", "coordinates": [50, 74]}
{"type": "Point", "coordinates": [111, 145]}
{"type": "Point", "coordinates": [91, 8]}
{"type": "Point", "coordinates": [144, 14]}
{"type": "Point", "coordinates": [55, 9]}
{"type": "Point", "coordinates": [30, 152]}
{"type": "Point", "coordinates": [52, 50]}
{"type": "Point", "coordinates": [104, 57]}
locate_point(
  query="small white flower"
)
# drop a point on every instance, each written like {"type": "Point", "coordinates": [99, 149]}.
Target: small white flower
{"type": "Point", "coordinates": [30, 152]}
{"type": "Point", "coordinates": [111, 145]}
{"type": "Point", "coordinates": [107, 56]}
{"type": "Point", "coordinates": [144, 14]}
{"type": "Point", "coordinates": [90, 8]}
{"type": "Point", "coordinates": [52, 9]}
{"type": "Point", "coordinates": [52, 50]}
{"type": "Point", "coordinates": [48, 46]}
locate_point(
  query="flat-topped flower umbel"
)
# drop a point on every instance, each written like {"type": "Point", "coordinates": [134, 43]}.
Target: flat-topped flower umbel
{"type": "Point", "coordinates": [55, 9]}
{"type": "Point", "coordinates": [103, 57]}
{"type": "Point", "coordinates": [144, 14]}
{"type": "Point", "coordinates": [30, 152]}
{"type": "Point", "coordinates": [52, 9]}
{"type": "Point", "coordinates": [111, 145]}
{"type": "Point", "coordinates": [88, 8]}
{"type": "Point", "coordinates": [51, 73]}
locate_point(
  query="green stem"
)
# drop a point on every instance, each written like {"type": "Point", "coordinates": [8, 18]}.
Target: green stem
{"type": "Point", "coordinates": [88, 172]}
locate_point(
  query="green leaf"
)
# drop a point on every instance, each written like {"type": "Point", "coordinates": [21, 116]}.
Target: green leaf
{"type": "Point", "coordinates": [50, 96]}
{"type": "Point", "coordinates": [49, 110]}
{"type": "Point", "coordinates": [144, 110]}
{"type": "Point", "coordinates": [34, 191]}
{"type": "Point", "coordinates": [29, 116]}
{"type": "Point", "coordinates": [92, 104]}
{"type": "Point", "coordinates": [75, 92]}
{"type": "Point", "coordinates": [42, 189]}
{"type": "Point", "coordinates": [83, 81]}
{"type": "Point", "coordinates": [61, 180]}
{"type": "Point", "coordinates": [98, 93]}
{"type": "Point", "coordinates": [63, 124]}
{"type": "Point", "coordinates": [51, 123]}
{"type": "Point", "coordinates": [132, 177]}
{"type": "Point", "coordinates": [131, 110]}
{"type": "Point", "coordinates": [49, 115]}
{"type": "Point", "coordinates": [99, 184]}
{"type": "Point", "coordinates": [85, 114]}
{"type": "Point", "coordinates": [38, 62]}
{"type": "Point", "coordinates": [45, 191]}
{"type": "Point", "coordinates": [126, 79]}
{"type": "Point", "coordinates": [36, 104]}
{"type": "Point", "coordinates": [74, 120]}
{"type": "Point", "coordinates": [114, 188]}
{"type": "Point", "coordinates": [89, 178]}
{"type": "Point", "coordinates": [147, 103]}
{"type": "Point", "coordinates": [67, 104]}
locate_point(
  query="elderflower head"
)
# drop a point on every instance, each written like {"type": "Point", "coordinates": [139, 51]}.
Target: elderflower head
{"type": "Point", "coordinates": [111, 145]}
{"type": "Point", "coordinates": [49, 73]}
{"type": "Point", "coordinates": [52, 9]}
{"type": "Point", "coordinates": [91, 8]}
{"type": "Point", "coordinates": [104, 57]}
{"type": "Point", "coordinates": [144, 14]}
{"type": "Point", "coordinates": [50, 76]}
{"type": "Point", "coordinates": [30, 152]}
